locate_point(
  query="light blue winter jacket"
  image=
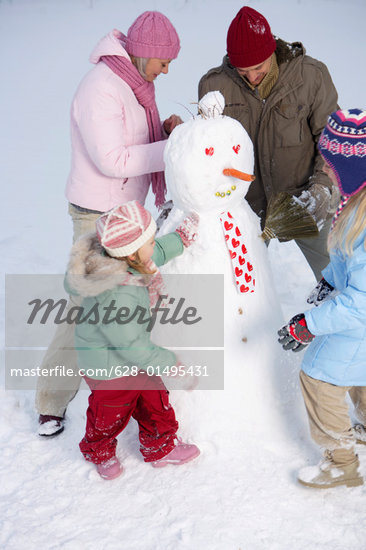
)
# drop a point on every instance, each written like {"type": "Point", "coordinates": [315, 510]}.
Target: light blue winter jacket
{"type": "Point", "coordinates": [338, 353]}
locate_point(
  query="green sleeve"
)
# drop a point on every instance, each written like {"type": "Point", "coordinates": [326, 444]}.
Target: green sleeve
{"type": "Point", "coordinates": [166, 248]}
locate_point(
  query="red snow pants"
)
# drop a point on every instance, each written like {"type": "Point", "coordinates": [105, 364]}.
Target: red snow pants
{"type": "Point", "coordinates": [111, 405]}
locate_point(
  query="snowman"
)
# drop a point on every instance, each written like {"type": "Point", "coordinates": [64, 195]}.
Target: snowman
{"type": "Point", "coordinates": [209, 167]}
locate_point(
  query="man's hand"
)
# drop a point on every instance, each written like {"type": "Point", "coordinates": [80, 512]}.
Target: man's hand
{"type": "Point", "coordinates": [317, 201]}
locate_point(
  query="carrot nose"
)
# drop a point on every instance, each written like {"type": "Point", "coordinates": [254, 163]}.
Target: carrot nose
{"type": "Point", "coordinates": [237, 174]}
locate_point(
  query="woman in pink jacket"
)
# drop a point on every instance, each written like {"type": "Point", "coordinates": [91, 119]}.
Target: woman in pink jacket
{"type": "Point", "coordinates": [117, 151]}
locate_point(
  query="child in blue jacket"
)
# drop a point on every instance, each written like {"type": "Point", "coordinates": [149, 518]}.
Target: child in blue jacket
{"type": "Point", "coordinates": [334, 364]}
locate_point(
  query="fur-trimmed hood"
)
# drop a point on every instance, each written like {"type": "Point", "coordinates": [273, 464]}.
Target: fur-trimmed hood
{"type": "Point", "coordinates": [90, 271]}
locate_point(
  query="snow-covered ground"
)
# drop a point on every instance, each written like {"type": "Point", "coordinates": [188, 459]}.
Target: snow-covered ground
{"type": "Point", "coordinates": [50, 497]}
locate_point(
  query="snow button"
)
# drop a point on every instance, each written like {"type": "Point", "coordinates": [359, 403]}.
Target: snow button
{"type": "Point", "coordinates": [211, 105]}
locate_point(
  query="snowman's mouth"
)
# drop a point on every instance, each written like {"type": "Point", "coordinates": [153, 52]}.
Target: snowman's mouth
{"type": "Point", "coordinates": [235, 174]}
{"type": "Point", "coordinates": [226, 193]}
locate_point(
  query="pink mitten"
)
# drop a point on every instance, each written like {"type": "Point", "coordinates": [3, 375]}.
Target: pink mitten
{"type": "Point", "coordinates": [188, 229]}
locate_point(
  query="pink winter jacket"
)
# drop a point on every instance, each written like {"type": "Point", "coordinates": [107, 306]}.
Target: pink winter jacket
{"type": "Point", "coordinates": [112, 158]}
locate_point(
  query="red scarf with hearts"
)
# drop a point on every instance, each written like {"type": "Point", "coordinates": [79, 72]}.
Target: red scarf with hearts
{"type": "Point", "coordinates": [243, 269]}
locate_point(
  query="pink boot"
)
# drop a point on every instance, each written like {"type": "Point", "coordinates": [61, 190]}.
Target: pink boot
{"type": "Point", "coordinates": [110, 469]}
{"type": "Point", "coordinates": [182, 453]}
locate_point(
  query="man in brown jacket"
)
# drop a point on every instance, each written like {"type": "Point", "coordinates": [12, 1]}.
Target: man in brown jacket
{"type": "Point", "coordinates": [282, 97]}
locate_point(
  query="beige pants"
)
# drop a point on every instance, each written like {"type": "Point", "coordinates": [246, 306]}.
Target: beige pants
{"type": "Point", "coordinates": [54, 393]}
{"type": "Point", "coordinates": [315, 250]}
{"type": "Point", "coordinates": [330, 424]}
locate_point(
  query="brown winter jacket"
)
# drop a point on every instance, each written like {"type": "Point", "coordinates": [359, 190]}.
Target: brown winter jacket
{"type": "Point", "coordinates": [285, 127]}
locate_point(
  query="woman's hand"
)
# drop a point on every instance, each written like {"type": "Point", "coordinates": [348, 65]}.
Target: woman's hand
{"type": "Point", "coordinates": [170, 123]}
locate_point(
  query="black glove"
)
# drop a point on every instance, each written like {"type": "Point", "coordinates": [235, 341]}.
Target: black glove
{"type": "Point", "coordinates": [165, 211]}
{"type": "Point", "coordinates": [320, 292]}
{"type": "Point", "coordinates": [295, 335]}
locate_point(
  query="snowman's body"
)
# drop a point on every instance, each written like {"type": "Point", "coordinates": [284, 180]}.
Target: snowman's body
{"type": "Point", "coordinates": [196, 154]}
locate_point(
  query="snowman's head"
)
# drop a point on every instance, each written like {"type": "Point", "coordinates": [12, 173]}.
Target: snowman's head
{"type": "Point", "coordinates": [206, 157]}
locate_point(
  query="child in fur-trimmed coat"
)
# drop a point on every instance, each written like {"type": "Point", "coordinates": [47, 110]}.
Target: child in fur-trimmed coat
{"type": "Point", "coordinates": [117, 266]}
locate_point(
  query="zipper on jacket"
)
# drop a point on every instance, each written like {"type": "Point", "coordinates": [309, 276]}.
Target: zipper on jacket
{"type": "Point", "coordinates": [263, 102]}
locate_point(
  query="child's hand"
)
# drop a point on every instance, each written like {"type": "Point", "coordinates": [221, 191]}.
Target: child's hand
{"type": "Point", "coordinates": [180, 379]}
{"type": "Point", "coordinates": [188, 229]}
{"type": "Point", "coordinates": [189, 381]}
{"type": "Point", "coordinates": [320, 292]}
{"type": "Point", "coordinates": [295, 335]}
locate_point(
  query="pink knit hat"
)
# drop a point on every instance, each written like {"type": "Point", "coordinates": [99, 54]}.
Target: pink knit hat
{"type": "Point", "coordinates": [152, 35]}
{"type": "Point", "coordinates": [249, 39]}
{"type": "Point", "coordinates": [124, 229]}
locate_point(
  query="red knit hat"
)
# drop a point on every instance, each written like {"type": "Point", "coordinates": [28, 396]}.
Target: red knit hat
{"type": "Point", "coordinates": [124, 229]}
{"type": "Point", "coordinates": [249, 39]}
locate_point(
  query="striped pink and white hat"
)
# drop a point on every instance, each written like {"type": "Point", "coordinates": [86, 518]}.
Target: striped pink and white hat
{"type": "Point", "coordinates": [124, 229]}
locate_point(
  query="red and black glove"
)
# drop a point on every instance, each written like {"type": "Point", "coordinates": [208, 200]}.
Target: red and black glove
{"type": "Point", "coordinates": [295, 335]}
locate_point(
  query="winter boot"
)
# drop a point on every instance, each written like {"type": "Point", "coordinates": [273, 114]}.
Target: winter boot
{"type": "Point", "coordinates": [327, 474]}
{"type": "Point", "coordinates": [182, 453]}
{"type": "Point", "coordinates": [110, 469]}
{"type": "Point", "coordinates": [359, 431]}
{"type": "Point", "coordinates": [50, 426]}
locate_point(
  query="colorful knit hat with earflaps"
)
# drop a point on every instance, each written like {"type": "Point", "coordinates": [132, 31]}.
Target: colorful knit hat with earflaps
{"type": "Point", "coordinates": [124, 229]}
{"type": "Point", "coordinates": [342, 144]}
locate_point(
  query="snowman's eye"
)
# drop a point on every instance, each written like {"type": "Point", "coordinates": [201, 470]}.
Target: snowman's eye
{"type": "Point", "coordinates": [236, 148]}
{"type": "Point", "coordinates": [209, 151]}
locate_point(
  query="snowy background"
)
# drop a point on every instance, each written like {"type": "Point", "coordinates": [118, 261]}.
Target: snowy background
{"type": "Point", "coordinates": [50, 497]}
